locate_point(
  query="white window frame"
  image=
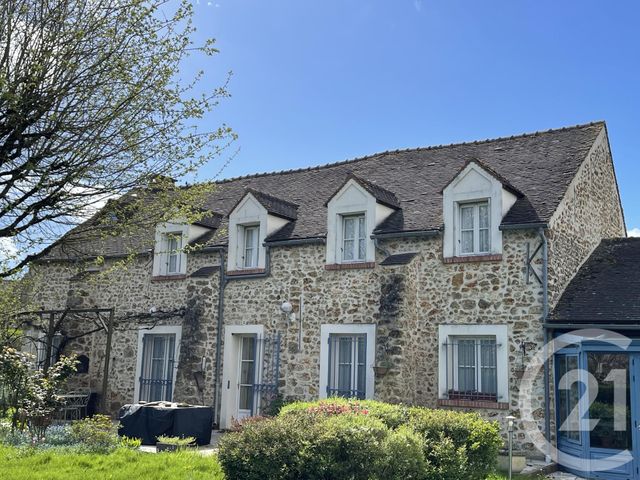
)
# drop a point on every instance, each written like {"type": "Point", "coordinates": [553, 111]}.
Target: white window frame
{"type": "Point", "coordinates": [478, 364]}
{"type": "Point", "coordinates": [173, 253]}
{"type": "Point", "coordinates": [161, 330]}
{"type": "Point", "coordinates": [254, 248]}
{"type": "Point", "coordinates": [326, 331]}
{"type": "Point", "coordinates": [475, 230]}
{"type": "Point", "coordinates": [164, 251]}
{"type": "Point", "coordinates": [360, 235]}
{"type": "Point", "coordinates": [449, 333]}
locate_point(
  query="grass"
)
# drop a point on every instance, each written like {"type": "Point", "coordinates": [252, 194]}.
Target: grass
{"type": "Point", "coordinates": [121, 465]}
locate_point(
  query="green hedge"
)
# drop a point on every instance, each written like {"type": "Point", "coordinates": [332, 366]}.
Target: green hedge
{"type": "Point", "coordinates": [352, 440]}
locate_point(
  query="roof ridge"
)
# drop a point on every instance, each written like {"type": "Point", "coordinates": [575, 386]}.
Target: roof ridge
{"type": "Point", "coordinates": [405, 150]}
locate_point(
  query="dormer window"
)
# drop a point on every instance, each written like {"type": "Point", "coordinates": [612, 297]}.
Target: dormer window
{"type": "Point", "coordinates": [354, 247]}
{"type": "Point", "coordinates": [474, 233]}
{"type": "Point", "coordinates": [256, 216]}
{"type": "Point", "coordinates": [250, 235]}
{"type": "Point", "coordinates": [474, 203]}
{"type": "Point", "coordinates": [354, 211]}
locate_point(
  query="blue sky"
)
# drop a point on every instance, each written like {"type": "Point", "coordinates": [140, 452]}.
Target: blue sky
{"type": "Point", "coordinates": [322, 81]}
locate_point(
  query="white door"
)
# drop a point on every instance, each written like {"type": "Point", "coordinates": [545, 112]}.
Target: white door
{"type": "Point", "coordinates": [246, 376]}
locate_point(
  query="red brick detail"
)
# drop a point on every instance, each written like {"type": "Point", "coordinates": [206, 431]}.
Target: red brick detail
{"type": "Point", "coordinates": [442, 402]}
{"type": "Point", "coordinates": [349, 266]}
{"type": "Point", "coordinates": [473, 258]}
{"type": "Point", "coordinates": [247, 271]}
{"type": "Point", "coordinates": [167, 278]}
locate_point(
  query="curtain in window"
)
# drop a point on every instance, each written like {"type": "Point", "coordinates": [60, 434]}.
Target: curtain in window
{"type": "Point", "coordinates": [156, 379]}
{"type": "Point", "coordinates": [347, 366]}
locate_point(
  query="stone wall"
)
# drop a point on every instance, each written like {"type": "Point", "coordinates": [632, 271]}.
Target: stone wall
{"type": "Point", "coordinates": [190, 302]}
{"type": "Point", "coordinates": [407, 303]}
{"type": "Point", "coordinates": [589, 212]}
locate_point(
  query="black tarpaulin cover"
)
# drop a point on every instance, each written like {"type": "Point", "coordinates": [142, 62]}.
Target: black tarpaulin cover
{"type": "Point", "coordinates": [148, 421]}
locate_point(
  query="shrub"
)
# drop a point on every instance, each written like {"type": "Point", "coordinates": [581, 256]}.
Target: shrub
{"type": "Point", "coordinates": [457, 445]}
{"type": "Point", "coordinates": [96, 434]}
{"type": "Point", "coordinates": [351, 439]}
{"type": "Point", "coordinates": [403, 456]}
{"type": "Point", "coordinates": [390, 414]}
{"type": "Point", "coordinates": [269, 448]}
{"type": "Point", "coordinates": [347, 446]}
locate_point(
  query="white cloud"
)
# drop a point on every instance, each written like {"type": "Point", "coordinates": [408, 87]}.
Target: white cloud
{"type": "Point", "coordinates": [634, 232]}
{"type": "Point", "coordinates": [8, 248]}
{"type": "Point", "coordinates": [417, 5]}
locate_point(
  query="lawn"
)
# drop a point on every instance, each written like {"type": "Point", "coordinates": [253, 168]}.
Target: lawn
{"type": "Point", "coordinates": [121, 465]}
{"type": "Point", "coordinates": [124, 464]}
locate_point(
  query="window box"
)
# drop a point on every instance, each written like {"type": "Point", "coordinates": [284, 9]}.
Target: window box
{"type": "Point", "coordinates": [473, 258]}
{"type": "Point", "coordinates": [350, 266]}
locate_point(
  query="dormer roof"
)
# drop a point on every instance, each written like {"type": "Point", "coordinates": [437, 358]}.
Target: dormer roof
{"type": "Point", "coordinates": [382, 195]}
{"type": "Point", "coordinates": [474, 161]}
{"type": "Point", "coordinates": [273, 205]}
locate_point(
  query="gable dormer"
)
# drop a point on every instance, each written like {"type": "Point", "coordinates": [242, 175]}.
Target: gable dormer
{"type": "Point", "coordinates": [353, 212]}
{"type": "Point", "coordinates": [474, 203]}
{"type": "Point", "coordinates": [256, 216]}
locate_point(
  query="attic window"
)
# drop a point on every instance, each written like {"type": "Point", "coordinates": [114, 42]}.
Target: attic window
{"type": "Point", "coordinates": [354, 248]}
{"type": "Point", "coordinates": [173, 253]}
{"type": "Point", "coordinates": [250, 234]}
{"type": "Point", "coordinates": [474, 232]}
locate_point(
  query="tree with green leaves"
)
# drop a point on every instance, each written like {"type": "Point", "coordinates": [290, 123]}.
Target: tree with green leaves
{"type": "Point", "coordinates": [94, 112]}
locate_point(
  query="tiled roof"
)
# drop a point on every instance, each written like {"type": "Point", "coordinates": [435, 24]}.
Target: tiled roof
{"type": "Point", "coordinates": [380, 194]}
{"type": "Point", "coordinates": [275, 205]}
{"type": "Point", "coordinates": [207, 271]}
{"type": "Point", "coordinates": [606, 289]}
{"type": "Point", "coordinates": [539, 165]}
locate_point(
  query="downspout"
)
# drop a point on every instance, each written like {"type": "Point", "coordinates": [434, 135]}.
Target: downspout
{"type": "Point", "coordinates": [216, 380]}
{"type": "Point", "coordinates": [545, 314]}
{"type": "Point", "coordinates": [224, 279]}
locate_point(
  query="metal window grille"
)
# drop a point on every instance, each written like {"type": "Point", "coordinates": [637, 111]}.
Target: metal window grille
{"type": "Point", "coordinates": [471, 368]}
{"type": "Point", "coordinates": [347, 366]}
{"type": "Point", "coordinates": [267, 373]}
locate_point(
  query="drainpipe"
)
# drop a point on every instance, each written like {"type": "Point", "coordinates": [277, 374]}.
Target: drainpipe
{"type": "Point", "coordinates": [545, 313]}
{"type": "Point", "coordinates": [224, 279]}
{"type": "Point", "coordinates": [216, 380]}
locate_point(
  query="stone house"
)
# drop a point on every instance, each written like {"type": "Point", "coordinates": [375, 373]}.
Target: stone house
{"type": "Point", "coordinates": [421, 276]}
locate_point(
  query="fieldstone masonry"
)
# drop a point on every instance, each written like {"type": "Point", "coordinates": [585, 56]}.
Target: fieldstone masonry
{"type": "Point", "coordinates": [407, 303]}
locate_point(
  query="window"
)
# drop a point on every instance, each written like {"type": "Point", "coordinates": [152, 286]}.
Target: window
{"type": "Point", "coordinates": [353, 238]}
{"type": "Point", "coordinates": [250, 246]}
{"type": "Point", "coordinates": [474, 228]}
{"type": "Point", "coordinates": [36, 344]}
{"type": "Point", "coordinates": [347, 357]}
{"type": "Point", "coordinates": [174, 247]}
{"type": "Point", "coordinates": [156, 380]}
{"type": "Point", "coordinates": [568, 392]}
{"type": "Point", "coordinates": [347, 366]}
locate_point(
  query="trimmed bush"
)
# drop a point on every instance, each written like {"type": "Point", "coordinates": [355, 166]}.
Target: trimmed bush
{"type": "Point", "coordinates": [456, 444]}
{"type": "Point", "coordinates": [357, 440]}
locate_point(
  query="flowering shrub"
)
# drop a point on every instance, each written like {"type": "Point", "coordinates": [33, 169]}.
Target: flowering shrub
{"type": "Point", "coordinates": [334, 408]}
{"type": "Point", "coordinates": [31, 395]}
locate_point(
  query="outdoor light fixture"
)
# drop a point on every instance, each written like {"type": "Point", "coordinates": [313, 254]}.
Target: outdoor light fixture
{"type": "Point", "coordinates": [510, 419]}
{"type": "Point", "coordinates": [286, 308]}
